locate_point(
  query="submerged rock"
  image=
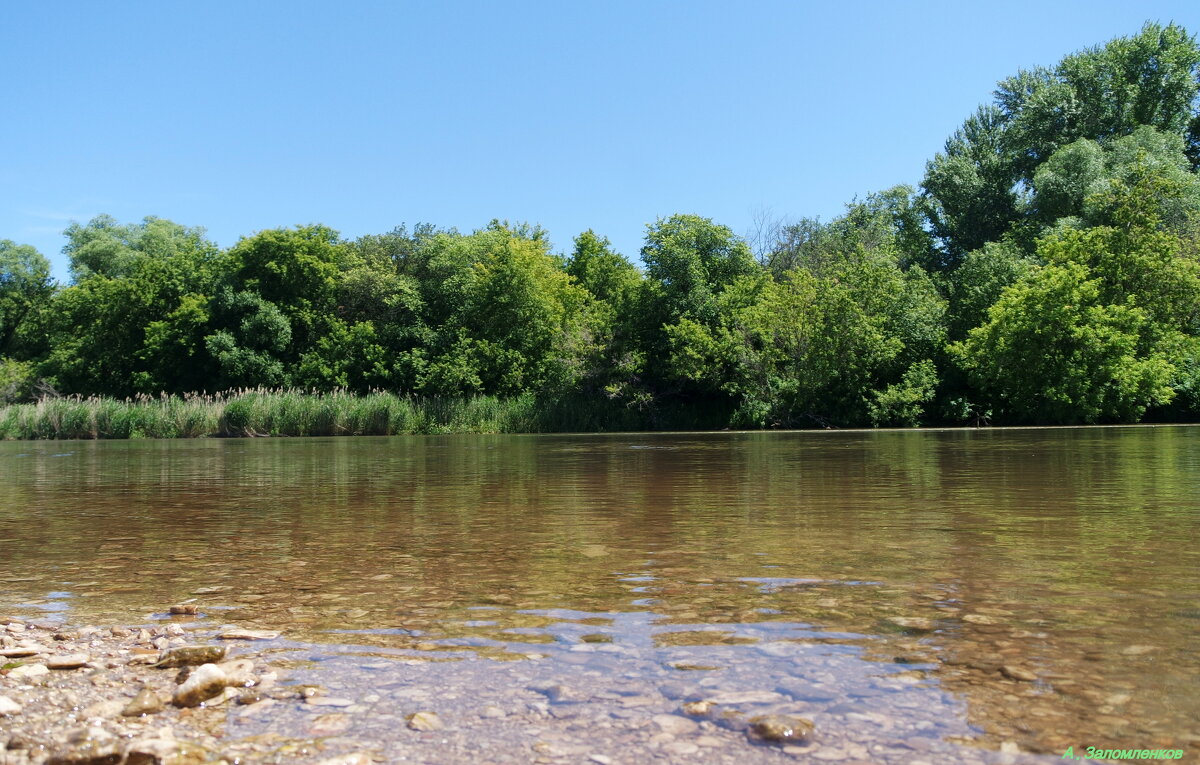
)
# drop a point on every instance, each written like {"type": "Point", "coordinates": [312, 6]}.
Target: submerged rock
{"type": "Point", "coordinates": [239, 634]}
{"type": "Point", "coordinates": [1017, 673]}
{"type": "Point", "coordinates": [190, 655]}
{"type": "Point", "coordinates": [425, 721]}
{"type": "Point", "coordinates": [780, 728]}
{"type": "Point", "coordinates": [912, 623]}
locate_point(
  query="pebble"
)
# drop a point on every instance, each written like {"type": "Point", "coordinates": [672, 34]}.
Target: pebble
{"type": "Point", "coordinates": [203, 684]}
{"type": "Point", "coordinates": [327, 701]}
{"type": "Point", "coordinates": [425, 721]}
{"type": "Point", "coordinates": [913, 623]}
{"type": "Point", "coordinates": [9, 707]}
{"type": "Point", "coordinates": [675, 725]}
{"type": "Point", "coordinates": [354, 758]}
{"type": "Point", "coordinates": [21, 651]}
{"type": "Point", "coordinates": [330, 724]}
{"type": "Point", "coordinates": [1138, 650]}
{"type": "Point", "coordinates": [190, 655]}
{"type": "Point", "coordinates": [980, 619]}
{"type": "Point", "coordinates": [67, 661]}
{"type": "Point", "coordinates": [780, 728]}
{"type": "Point", "coordinates": [745, 697]}
{"type": "Point", "coordinates": [239, 672]}
{"type": "Point", "coordinates": [188, 609]}
{"type": "Point", "coordinates": [146, 702]}
{"type": "Point", "coordinates": [28, 670]}
{"type": "Point", "coordinates": [248, 635]}
{"type": "Point", "coordinates": [1017, 673]}
{"type": "Point", "coordinates": [104, 709]}
{"type": "Point", "coordinates": [681, 747]}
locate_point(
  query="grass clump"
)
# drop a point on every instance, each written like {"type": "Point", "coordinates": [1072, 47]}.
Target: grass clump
{"type": "Point", "coordinates": [289, 412]}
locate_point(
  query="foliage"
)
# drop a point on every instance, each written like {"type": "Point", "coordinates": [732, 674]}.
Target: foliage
{"type": "Point", "coordinates": [25, 287]}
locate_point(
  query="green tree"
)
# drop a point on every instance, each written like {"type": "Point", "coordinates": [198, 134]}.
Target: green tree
{"type": "Point", "coordinates": [25, 287]}
{"type": "Point", "coordinates": [689, 261]}
{"type": "Point", "coordinates": [1052, 352]}
{"type": "Point", "coordinates": [105, 247]}
{"type": "Point", "coordinates": [517, 322]}
{"type": "Point", "coordinates": [134, 320]}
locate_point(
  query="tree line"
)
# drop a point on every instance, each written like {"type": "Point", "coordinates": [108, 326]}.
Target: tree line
{"type": "Point", "coordinates": [1046, 270]}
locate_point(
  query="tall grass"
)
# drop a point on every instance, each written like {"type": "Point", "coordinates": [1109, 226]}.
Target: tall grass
{"type": "Point", "coordinates": [304, 413]}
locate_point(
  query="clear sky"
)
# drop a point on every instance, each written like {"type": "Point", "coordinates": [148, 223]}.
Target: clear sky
{"type": "Point", "coordinates": [240, 116]}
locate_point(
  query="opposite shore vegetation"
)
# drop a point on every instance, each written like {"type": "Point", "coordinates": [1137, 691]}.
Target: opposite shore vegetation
{"type": "Point", "coordinates": [1045, 271]}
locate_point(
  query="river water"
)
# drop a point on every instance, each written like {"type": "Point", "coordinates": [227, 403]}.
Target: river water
{"type": "Point", "coordinates": [921, 596]}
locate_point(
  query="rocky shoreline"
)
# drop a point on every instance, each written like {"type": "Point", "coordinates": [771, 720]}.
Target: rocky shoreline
{"type": "Point", "coordinates": [162, 695]}
{"type": "Point", "coordinates": [139, 696]}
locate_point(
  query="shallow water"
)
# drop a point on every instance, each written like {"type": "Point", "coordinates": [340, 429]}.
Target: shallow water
{"type": "Point", "coordinates": [891, 586]}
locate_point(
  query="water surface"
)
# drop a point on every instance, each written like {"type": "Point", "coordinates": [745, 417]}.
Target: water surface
{"type": "Point", "coordinates": [910, 576]}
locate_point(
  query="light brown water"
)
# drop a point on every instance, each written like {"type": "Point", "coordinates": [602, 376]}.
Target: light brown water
{"type": "Point", "coordinates": [884, 584]}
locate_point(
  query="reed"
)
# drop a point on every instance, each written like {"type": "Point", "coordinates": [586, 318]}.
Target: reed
{"type": "Point", "coordinates": [290, 412]}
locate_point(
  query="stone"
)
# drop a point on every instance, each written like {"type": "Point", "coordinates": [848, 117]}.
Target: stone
{"type": "Point", "coordinates": [698, 708]}
{"type": "Point", "coordinates": [912, 623]}
{"type": "Point", "coordinates": [184, 609]}
{"type": "Point", "coordinates": [1138, 650]}
{"type": "Point", "coordinates": [328, 701]}
{"type": "Point", "coordinates": [674, 724]}
{"type": "Point", "coordinates": [251, 696]}
{"type": "Point", "coordinates": [104, 709]}
{"type": "Point", "coordinates": [203, 684]}
{"type": "Point", "coordinates": [1017, 673]}
{"type": "Point", "coordinates": [354, 758]}
{"type": "Point", "coordinates": [26, 671]}
{"type": "Point", "coordinates": [190, 655]}
{"type": "Point", "coordinates": [240, 634]}
{"type": "Point", "coordinates": [980, 619]}
{"type": "Point", "coordinates": [21, 651]}
{"type": "Point", "coordinates": [164, 750]}
{"type": "Point", "coordinates": [8, 707]}
{"type": "Point", "coordinates": [329, 725]}
{"type": "Point", "coordinates": [146, 702]}
{"type": "Point", "coordinates": [88, 746]}
{"type": "Point", "coordinates": [425, 721]}
{"type": "Point", "coordinates": [780, 728]}
{"type": "Point", "coordinates": [67, 661]}
{"type": "Point", "coordinates": [681, 747]}
{"type": "Point", "coordinates": [492, 711]}
{"type": "Point", "coordinates": [240, 672]}
{"type": "Point", "coordinates": [746, 697]}
{"type": "Point", "coordinates": [600, 759]}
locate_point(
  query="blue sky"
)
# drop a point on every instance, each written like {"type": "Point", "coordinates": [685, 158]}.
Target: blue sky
{"type": "Point", "coordinates": [241, 116]}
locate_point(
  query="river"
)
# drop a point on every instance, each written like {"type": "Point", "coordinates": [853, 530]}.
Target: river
{"type": "Point", "coordinates": [957, 595]}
